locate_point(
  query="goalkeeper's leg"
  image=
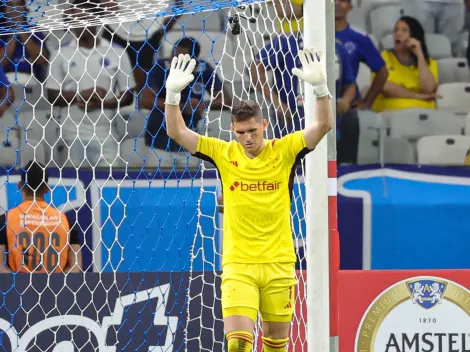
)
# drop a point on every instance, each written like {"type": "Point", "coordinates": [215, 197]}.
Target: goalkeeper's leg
{"type": "Point", "coordinates": [240, 304]}
{"type": "Point", "coordinates": [277, 305]}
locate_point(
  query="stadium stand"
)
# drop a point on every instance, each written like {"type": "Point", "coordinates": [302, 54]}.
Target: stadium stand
{"type": "Point", "coordinates": [453, 69]}
{"type": "Point", "coordinates": [454, 97]}
{"type": "Point", "coordinates": [443, 150]}
{"type": "Point", "coordinates": [413, 124]}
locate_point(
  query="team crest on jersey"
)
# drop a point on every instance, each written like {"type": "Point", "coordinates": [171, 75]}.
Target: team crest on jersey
{"type": "Point", "coordinates": [105, 62]}
{"type": "Point", "coordinates": [350, 47]}
{"type": "Point", "coordinates": [426, 293]}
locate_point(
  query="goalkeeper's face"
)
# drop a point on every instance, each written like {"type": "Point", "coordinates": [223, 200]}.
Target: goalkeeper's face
{"type": "Point", "coordinates": [250, 133]}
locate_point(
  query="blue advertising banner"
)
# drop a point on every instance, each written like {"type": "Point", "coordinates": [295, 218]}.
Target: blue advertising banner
{"type": "Point", "coordinates": [110, 312]}
{"type": "Point", "coordinates": [404, 217]}
{"type": "Point", "coordinates": [392, 217]}
{"type": "Point", "coordinates": [142, 222]}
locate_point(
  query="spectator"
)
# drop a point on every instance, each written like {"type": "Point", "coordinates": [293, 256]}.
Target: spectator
{"type": "Point", "coordinates": [361, 49]}
{"type": "Point", "coordinates": [84, 80]}
{"type": "Point", "coordinates": [7, 94]}
{"type": "Point", "coordinates": [35, 236]}
{"type": "Point", "coordinates": [141, 39]}
{"type": "Point", "coordinates": [153, 98]}
{"type": "Point", "coordinates": [24, 52]}
{"type": "Point", "coordinates": [448, 15]}
{"type": "Point", "coordinates": [290, 14]}
{"type": "Point", "coordinates": [346, 115]}
{"type": "Point", "coordinates": [413, 76]}
{"type": "Point", "coordinates": [280, 57]}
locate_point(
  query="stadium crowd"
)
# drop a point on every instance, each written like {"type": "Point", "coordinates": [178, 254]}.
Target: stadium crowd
{"type": "Point", "coordinates": [71, 99]}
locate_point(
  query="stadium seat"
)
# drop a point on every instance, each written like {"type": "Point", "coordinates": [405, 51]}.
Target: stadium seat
{"type": "Point", "coordinates": [211, 21]}
{"type": "Point", "coordinates": [44, 128]}
{"type": "Point", "coordinates": [467, 124]}
{"type": "Point", "coordinates": [443, 150]}
{"type": "Point", "coordinates": [454, 97]}
{"type": "Point", "coordinates": [369, 5]}
{"type": "Point", "coordinates": [22, 78]}
{"type": "Point", "coordinates": [232, 66]}
{"type": "Point", "coordinates": [357, 18]}
{"type": "Point", "coordinates": [439, 46]}
{"type": "Point", "coordinates": [8, 154]}
{"type": "Point", "coordinates": [218, 124]}
{"type": "Point", "coordinates": [462, 44]}
{"type": "Point", "coordinates": [413, 124]}
{"type": "Point", "coordinates": [385, 150]}
{"type": "Point", "coordinates": [369, 137]}
{"type": "Point", "coordinates": [453, 70]}
{"type": "Point", "coordinates": [132, 125]}
{"type": "Point", "coordinates": [133, 152]}
{"type": "Point", "coordinates": [397, 151]}
{"type": "Point", "coordinates": [136, 154]}
{"type": "Point", "coordinates": [387, 43]}
{"type": "Point", "coordinates": [383, 19]}
{"type": "Point", "coordinates": [33, 150]}
{"type": "Point", "coordinates": [363, 76]}
{"type": "Point", "coordinates": [374, 40]}
{"type": "Point", "coordinates": [13, 141]}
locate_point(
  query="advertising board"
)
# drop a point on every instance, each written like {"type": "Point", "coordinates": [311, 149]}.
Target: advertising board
{"type": "Point", "coordinates": [404, 311]}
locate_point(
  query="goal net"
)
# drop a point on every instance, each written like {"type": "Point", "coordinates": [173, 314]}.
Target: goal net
{"type": "Point", "coordinates": [83, 96]}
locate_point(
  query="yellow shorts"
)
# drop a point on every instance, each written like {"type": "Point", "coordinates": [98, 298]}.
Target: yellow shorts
{"type": "Point", "coordinates": [266, 288]}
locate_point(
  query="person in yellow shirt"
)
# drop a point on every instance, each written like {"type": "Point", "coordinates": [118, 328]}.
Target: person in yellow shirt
{"type": "Point", "coordinates": [290, 15]}
{"type": "Point", "coordinates": [257, 179]}
{"type": "Point", "coordinates": [413, 75]}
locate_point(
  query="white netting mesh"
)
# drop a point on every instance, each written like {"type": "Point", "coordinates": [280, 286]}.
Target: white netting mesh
{"type": "Point", "coordinates": [87, 103]}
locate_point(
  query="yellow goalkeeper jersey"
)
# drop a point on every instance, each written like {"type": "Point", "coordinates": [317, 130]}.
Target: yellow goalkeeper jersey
{"type": "Point", "coordinates": [257, 197]}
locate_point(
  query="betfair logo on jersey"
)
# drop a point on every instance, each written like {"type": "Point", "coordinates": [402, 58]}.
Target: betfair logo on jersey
{"type": "Point", "coordinates": [260, 186]}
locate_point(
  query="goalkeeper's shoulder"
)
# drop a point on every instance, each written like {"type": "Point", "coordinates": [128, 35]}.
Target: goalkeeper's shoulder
{"type": "Point", "coordinates": [284, 141]}
{"type": "Point", "coordinates": [211, 148]}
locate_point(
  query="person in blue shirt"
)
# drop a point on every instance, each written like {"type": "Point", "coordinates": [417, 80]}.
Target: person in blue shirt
{"type": "Point", "coordinates": [361, 49]}
{"type": "Point", "coordinates": [153, 98]}
{"type": "Point", "coordinates": [345, 80]}
{"type": "Point", "coordinates": [280, 57]}
{"type": "Point", "coordinates": [347, 120]}
{"type": "Point", "coordinates": [23, 52]}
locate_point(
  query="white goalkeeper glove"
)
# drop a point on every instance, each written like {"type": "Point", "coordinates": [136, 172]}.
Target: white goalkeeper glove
{"type": "Point", "coordinates": [181, 74]}
{"type": "Point", "coordinates": [313, 70]}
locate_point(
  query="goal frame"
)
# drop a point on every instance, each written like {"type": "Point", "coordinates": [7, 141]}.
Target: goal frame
{"type": "Point", "coordinates": [321, 191]}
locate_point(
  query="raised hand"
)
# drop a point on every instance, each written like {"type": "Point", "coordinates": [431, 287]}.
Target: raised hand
{"type": "Point", "coordinates": [413, 45]}
{"type": "Point", "coordinates": [313, 70]}
{"type": "Point", "coordinates": [181, 74]}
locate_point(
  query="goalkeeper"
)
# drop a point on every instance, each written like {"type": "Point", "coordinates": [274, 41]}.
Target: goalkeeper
{"type": "Point", "coordinates": [257, 178]}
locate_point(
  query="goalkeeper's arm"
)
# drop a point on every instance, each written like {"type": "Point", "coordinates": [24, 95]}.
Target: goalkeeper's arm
{"type": "Point", "coordinates": [314, 72]}
{"type": "Point", "coordinates": [179, 77]}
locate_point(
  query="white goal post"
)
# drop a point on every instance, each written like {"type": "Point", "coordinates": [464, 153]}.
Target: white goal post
{"type": "Point", "coordinates": [320, 184]}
